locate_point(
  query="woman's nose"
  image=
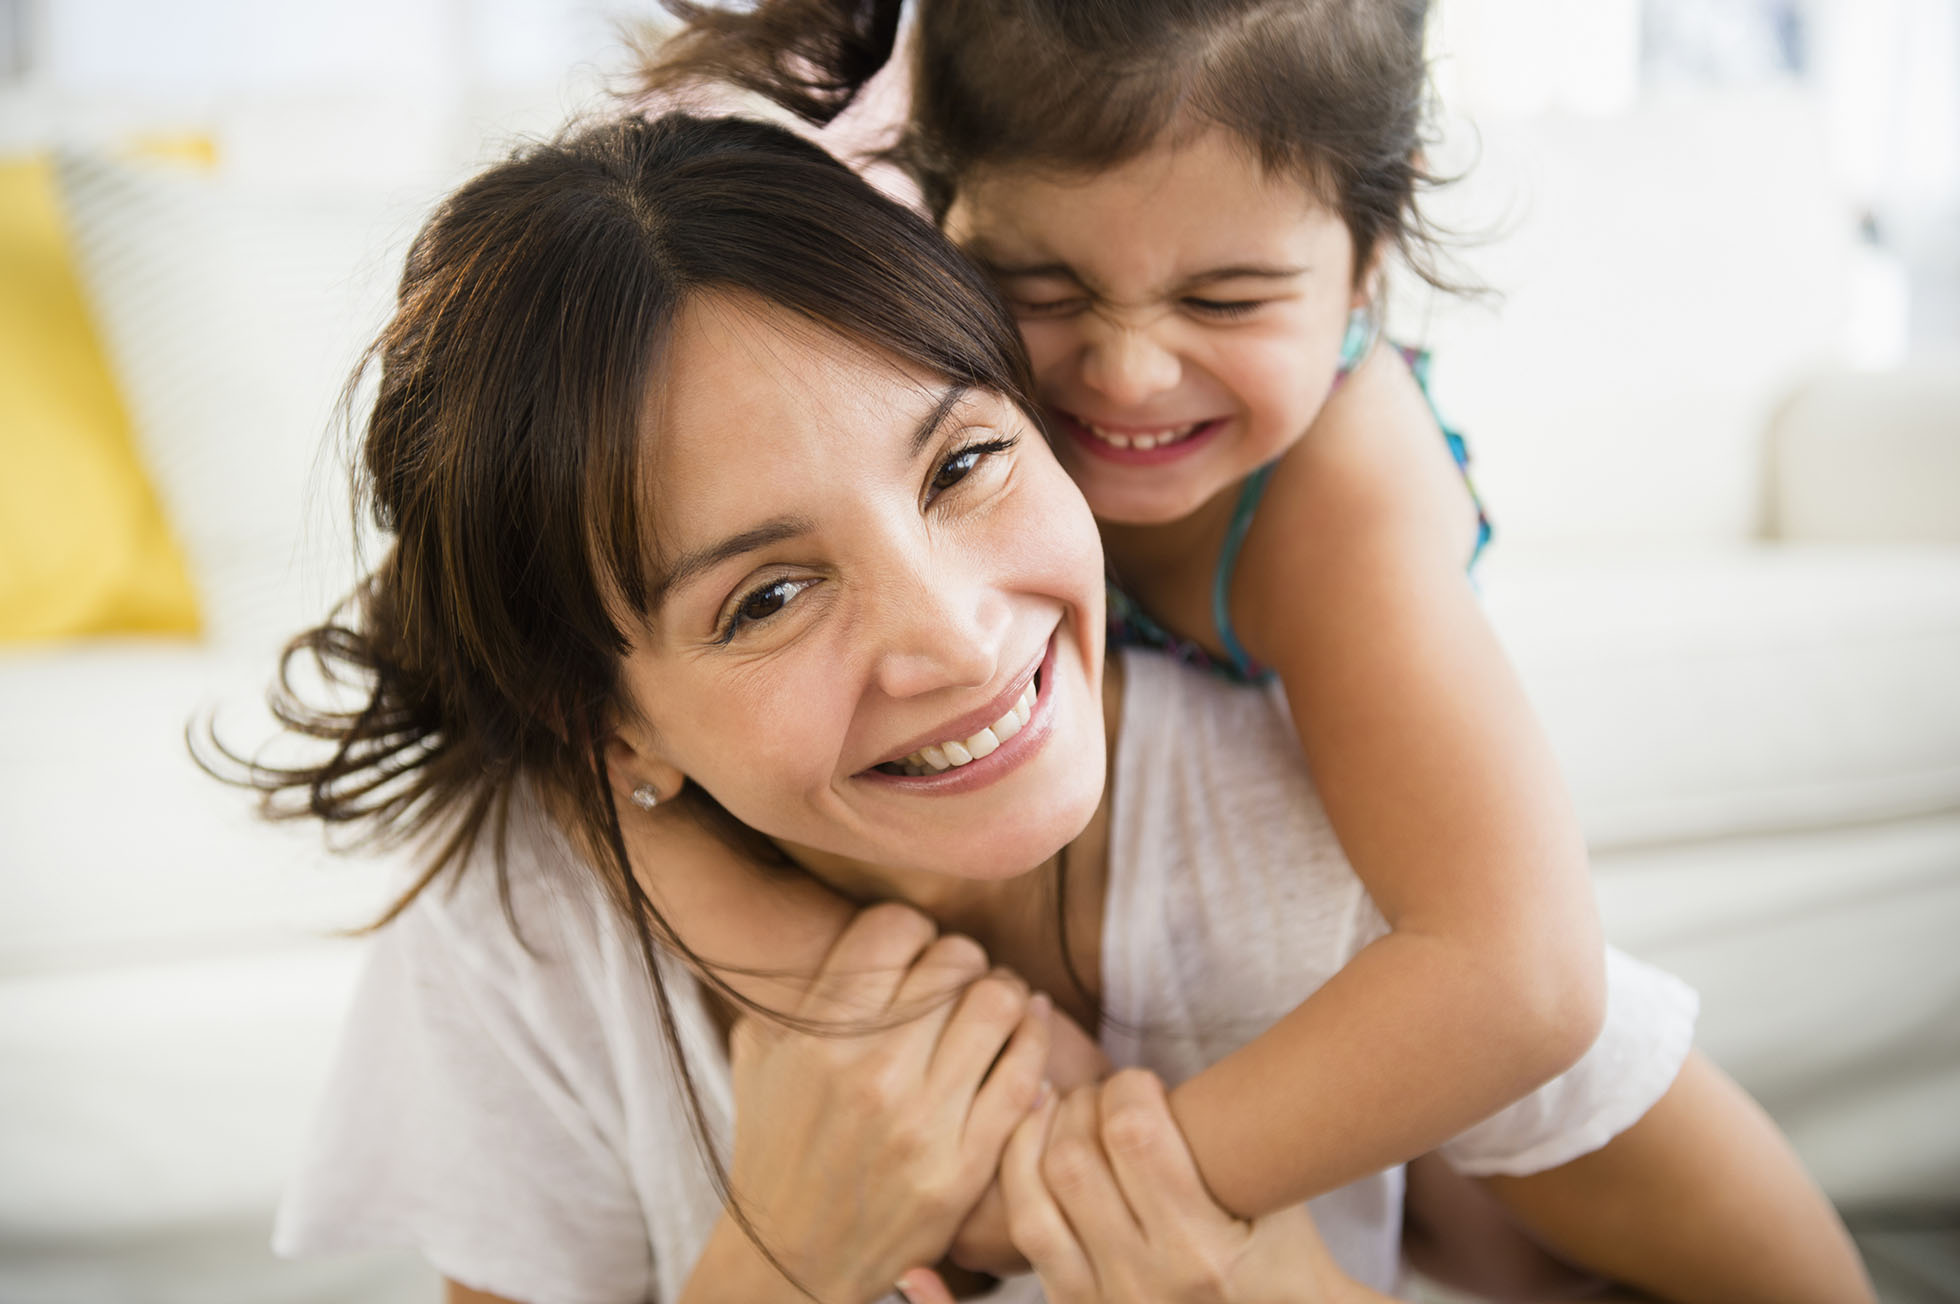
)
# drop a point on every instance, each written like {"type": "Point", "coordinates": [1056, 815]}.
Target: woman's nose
{"type": "Point", "coordinates": [1126, 365]}
{"type": "Point", "coordinates": [944, 631]}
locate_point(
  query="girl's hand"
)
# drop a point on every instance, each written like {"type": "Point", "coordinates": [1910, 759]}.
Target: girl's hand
{"type": "Point", "coordinates": [1104, 1200]}
{"type": "Point", "coordinates": [857, 1154]}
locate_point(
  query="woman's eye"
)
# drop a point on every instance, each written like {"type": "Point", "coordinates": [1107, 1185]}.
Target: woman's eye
{"type": "Point", "coordinates": [1224, 307]}
{"type": "Point", "coordinates": [760, 603]}
{"type": "Point", "coordinates": [960, 463]}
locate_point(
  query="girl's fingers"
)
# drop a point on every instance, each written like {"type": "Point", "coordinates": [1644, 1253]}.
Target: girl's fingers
{"type": "Point", "coordinates": [1147, 1154]}
{"type": "Point", "coordinates": [1034, 1221]}
{"type": "Point", "coordinates": [867, 964]}
{"type": "Point", "coordinates": [923, 1286]}
{"type": "Point", "coordinates": [1012, 1088]}
{"type": "Point", "coordinates": [1078, 1176]}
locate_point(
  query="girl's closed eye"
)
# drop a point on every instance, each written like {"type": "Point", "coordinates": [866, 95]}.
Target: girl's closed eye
{"type": "Point", "coordinates": [1224, 307]}
{"type": "Point", "coordinates": [1062, 307]}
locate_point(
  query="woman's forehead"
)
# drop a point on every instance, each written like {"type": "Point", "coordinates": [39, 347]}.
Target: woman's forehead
{"type": "Point", "coordinates": [753, 408]}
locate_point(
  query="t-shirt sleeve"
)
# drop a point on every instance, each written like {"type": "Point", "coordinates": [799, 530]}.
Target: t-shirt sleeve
{"type": "Point", "coordinates": [460, 1122]}
{"type": "Point", "coordinates": [1649, 1029]}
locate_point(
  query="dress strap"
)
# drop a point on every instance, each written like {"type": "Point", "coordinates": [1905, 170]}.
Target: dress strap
{"type": "Point", "coordinates": [1250, 493]}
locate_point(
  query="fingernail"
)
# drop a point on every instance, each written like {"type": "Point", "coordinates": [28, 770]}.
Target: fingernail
{"type": "Point", "coordinates": [1039, 1005]}
{"type": "Point", "coordinates": [1044, 1093]}
{"type": "Point", "coordinates": [904, 1291]}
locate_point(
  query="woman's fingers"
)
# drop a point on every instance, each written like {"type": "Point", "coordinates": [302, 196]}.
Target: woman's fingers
{"type": "Point", "coordinates": [1034, 1221]}
{"type": "Point", "coordinates": [1078, 1176]}
{"type": "Point", "coordinates": [867, 964]}
{"type": "Point", "coordinates": [988, 1012]}
{"type": "Point", "coordinates": [1014, 1085]}
{"type": "Point", "coordinates": [1147, 1154]}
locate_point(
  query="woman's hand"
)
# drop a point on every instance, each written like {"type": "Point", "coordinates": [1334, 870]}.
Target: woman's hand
{"type": "Point", "coordinates": [857, 1154]}
{"type": "Point", "coordinates": [1104, 1200]}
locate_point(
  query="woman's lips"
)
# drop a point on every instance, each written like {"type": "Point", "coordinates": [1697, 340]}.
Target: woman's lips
{"type": "Point", "coordinates": [1008, 756]}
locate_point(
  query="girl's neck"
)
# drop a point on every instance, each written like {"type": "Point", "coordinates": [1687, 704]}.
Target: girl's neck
{"type": "Point", "coordinates": [1164, 546]}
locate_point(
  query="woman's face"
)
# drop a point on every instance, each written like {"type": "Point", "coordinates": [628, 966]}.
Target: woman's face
{"type": "Point", "coordinates": [868, 576]}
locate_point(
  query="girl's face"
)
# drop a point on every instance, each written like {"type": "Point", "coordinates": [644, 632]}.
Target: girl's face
{"type": "Point", "coordinates": [1184, 312]}
{"type": "Point", "coordinates": [869, 575]}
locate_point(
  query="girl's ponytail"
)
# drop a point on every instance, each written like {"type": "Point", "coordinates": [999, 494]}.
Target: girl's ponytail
{"type": "Point", "coordinates": [811, 57]}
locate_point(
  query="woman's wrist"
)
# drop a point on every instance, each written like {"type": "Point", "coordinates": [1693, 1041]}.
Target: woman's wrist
{"type": "Point", "coordinates": [733, 1267]}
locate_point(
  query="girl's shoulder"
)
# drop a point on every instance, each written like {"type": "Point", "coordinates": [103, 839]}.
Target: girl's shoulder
{"type": "Point", "coordinates": [1377, 474]}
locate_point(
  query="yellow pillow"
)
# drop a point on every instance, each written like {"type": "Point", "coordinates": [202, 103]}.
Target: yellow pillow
{"type": "Point", "coordinates": [83, 544]}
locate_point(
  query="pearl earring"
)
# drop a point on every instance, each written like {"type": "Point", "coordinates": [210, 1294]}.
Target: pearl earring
{"type": "Point", "coordinates": [645, 797]}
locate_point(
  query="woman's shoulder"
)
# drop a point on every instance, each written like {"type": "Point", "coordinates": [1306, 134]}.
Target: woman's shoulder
{"type": "Point", "coordinates": [521, 896]}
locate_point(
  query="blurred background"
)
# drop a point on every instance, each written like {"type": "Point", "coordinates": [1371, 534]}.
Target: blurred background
{"type": "Point", "coordinates": [1715, 401]}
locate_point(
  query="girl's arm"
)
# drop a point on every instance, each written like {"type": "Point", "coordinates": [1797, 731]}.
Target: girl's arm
{"type": "Point", "coordinates": [1446, 800]}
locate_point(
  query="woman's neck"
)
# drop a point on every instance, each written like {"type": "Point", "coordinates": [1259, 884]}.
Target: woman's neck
{"type": "Point", "coordinates": [1014, 918]}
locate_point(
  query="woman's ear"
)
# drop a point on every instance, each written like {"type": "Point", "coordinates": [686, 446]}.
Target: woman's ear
{"type": "Point", "coordinates": [640, 777]}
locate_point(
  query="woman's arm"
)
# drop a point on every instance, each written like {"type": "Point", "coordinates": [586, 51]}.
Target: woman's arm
{"type": "Point", "coordinates": [1446, 799]}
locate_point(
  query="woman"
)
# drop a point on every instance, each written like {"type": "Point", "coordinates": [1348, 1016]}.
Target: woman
{"type": "Point", "coordinates": [715, 499]}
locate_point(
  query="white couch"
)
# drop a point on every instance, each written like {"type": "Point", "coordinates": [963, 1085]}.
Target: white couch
{"type": "Point", "coordinates": [1730, 574]}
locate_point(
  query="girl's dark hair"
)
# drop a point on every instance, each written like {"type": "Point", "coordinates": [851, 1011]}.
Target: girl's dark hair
{"type": "Point", "coordinates": [1334, 92]}
{"type": "Point", "coordinates": [503, 458]}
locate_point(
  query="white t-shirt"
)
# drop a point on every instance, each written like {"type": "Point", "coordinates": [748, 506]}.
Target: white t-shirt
{"type": "Point", "coordinates": [509, 1108]}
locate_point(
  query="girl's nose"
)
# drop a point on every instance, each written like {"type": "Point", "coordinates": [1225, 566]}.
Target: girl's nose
{"type": "Point", "coordinates": [1126, 365]}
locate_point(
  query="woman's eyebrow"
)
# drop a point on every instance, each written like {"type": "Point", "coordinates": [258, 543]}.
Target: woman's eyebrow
{"type": "Point", "coordinates": [697, 561]}
{"type": "Point", "coordinates": [949, 399]}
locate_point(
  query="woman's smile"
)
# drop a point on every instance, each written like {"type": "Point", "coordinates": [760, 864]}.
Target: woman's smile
{"type": "Point", "coordinates": [963, 758]}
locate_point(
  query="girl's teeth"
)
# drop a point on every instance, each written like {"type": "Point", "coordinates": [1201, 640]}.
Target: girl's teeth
{"type": "Point", "coordinates": [934, 757]}
{"type": "Point", "coordinates": [957, 753]}
{"type": "Point", "coordinates": [1146, 440]}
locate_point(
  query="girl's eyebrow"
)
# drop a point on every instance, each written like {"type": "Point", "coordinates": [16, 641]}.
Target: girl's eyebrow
{"type": "Point", "coordinates": [1060, 271]}
{"type": "Point", "coordinates": [1246, 272]}
{"type": "Point", "coordinates": [1055, 271]}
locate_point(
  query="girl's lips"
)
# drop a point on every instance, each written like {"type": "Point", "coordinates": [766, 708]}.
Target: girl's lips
{"type": "Point", "coordinates": [1010, 755]}
{"type": "Point", "coordinates": [1103, 449]}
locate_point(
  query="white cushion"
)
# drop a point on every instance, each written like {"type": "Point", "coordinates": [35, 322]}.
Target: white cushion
{"type": "Point", "coordinates": [1870, 457]}
{"type": "Point", "coordinates": [1705, 693]}
{"type": "Point", "coordinates": [117, 847]}
{"type": "Point", "coordinates": [149, 1117]}
{"type": "Point", "coordinates": [233, 317]}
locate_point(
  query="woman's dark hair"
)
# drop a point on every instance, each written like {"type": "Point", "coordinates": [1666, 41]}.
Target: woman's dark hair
{"type": "Point", "coordinates": [503, 459]}
{"type": "Point", "coordinates": [1334, 92]}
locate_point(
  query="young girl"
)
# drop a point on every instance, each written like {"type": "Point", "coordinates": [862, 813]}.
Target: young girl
{"type": "Point", "coordinates": [1189, 205]}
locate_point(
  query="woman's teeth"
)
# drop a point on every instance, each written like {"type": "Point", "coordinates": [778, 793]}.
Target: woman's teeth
{"type": "Point", "coordinates": [937, 757]}
{"type": "Point", "coordinates": [1143, 438]}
